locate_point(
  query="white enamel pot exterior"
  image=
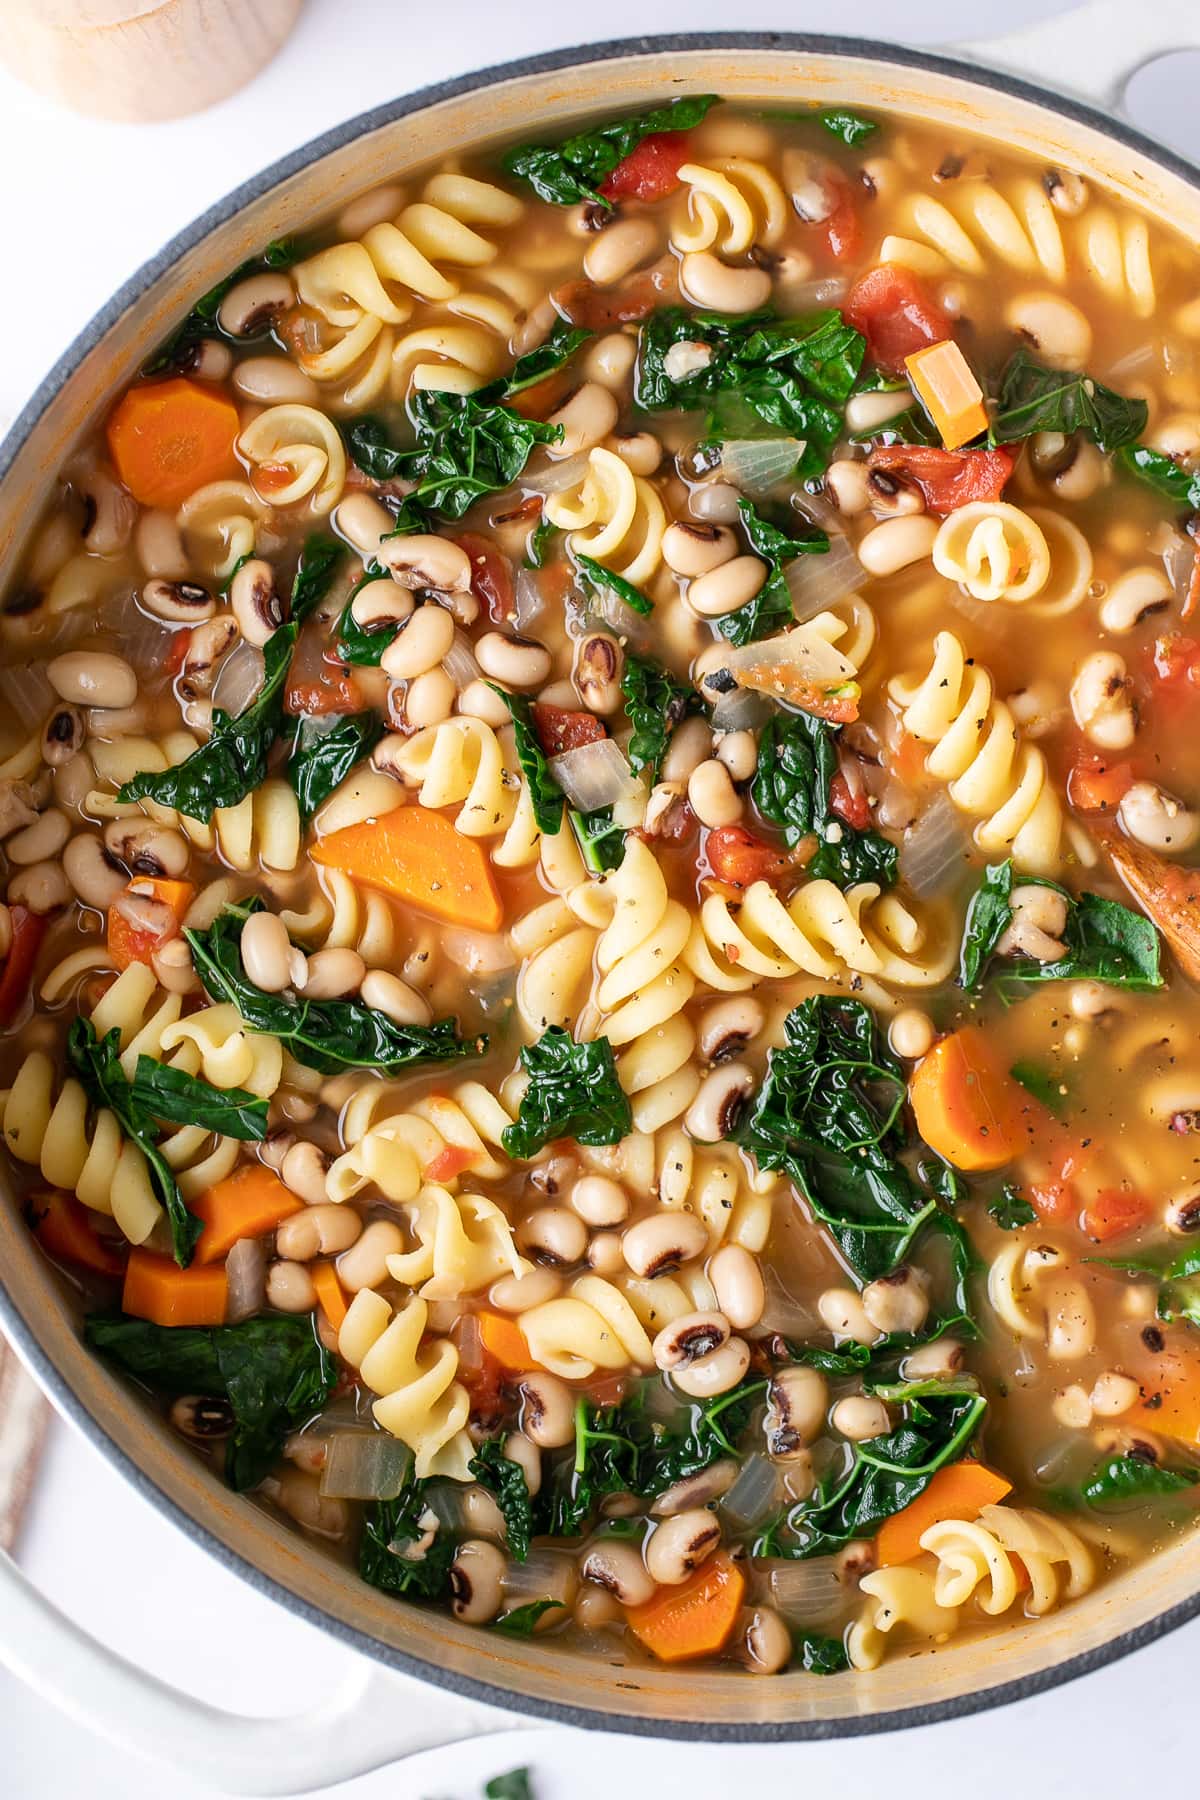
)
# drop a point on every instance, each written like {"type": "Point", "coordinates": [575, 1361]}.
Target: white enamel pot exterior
{"type": "Point", "coordinates": [381, 1714]}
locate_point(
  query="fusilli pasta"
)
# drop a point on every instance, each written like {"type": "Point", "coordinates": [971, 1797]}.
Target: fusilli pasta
{"type": "Point", "coordinates": [421, 1402]}
{"type": "Point", "coordinates": [976, 1558]}
{"type": "Point", "coordinates": [613, 516]}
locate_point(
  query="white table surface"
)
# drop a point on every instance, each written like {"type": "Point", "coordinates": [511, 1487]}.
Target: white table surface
{"type": "Point", "coordinates": [84, 204]}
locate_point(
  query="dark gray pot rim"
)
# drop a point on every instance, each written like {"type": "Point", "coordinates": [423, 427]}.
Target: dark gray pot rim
{"type": "Point", "coordinates": [131, 291]}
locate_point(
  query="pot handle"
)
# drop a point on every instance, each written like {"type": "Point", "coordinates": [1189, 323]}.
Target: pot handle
{"type": "Point", "coordinates": [372, 1718]}
{"type": "Point", "coordinates": [1091, 52]}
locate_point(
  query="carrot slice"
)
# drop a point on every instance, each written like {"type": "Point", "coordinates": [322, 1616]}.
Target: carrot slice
{"type": "Point", "coordinates": [246, 1204]}
{"type": "Point", "coordinates": [330, 1292]}
{"type": "Point", "coordinates": [419, 857]}
{"type": "Point", "coordinates": [64, 1230]}
{"type": "Point", "coordinates": [158, 1290]}
{"type": "Point", "coordinates": [169, 438]}
{"type": "Point", "coordinates": [958, 1492]}
{"type": "Point", "coordinates": [130, 943]}
{"type": "Point", "coordinates": [946, 384]}
{"type": "Point", "coordinates": [1171, 1401]}
{"type": "Point", "coordinates": [967, 1109]}
{"type": "Point", "coordinates": [695, 1618]}
{"type": "Point", "coordinates": [504, 1339]}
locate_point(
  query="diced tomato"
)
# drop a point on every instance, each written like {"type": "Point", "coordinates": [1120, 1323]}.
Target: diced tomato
{"type": "Point", "coordinates": [607, 1390]}
{"type": "Point", "coordinates": [542, 398]}
{"type": "Point", "coordinates": [651, 170]}
{"type": "Point", "coordinates": [491, 577]}
{"type": "Point", "coordinates": [1053, 1201]}
{"type": "Point", "coordinates": [28, 930]}
{"type": "Point", "coordinates": [271, 478]}
{"type": "Point", "coordinates": [174, 659]}
{"type": "Point", "coordinates": [64, 1230]}
{"type": "Point", "coordinates": [895, 313]}
{"type": "Point", "coordinates": [1095, 785]}
{"type": "Point", "coordinates": [330, 691]}
{"type": "Point", "coordinates": [580, 303]}
{"type": "Point", "coordinates": [448, 1163]}
{"type": "Point", "coordinates": [947, 478]}
{"type": "Point", "coordinates": [843, 227]}
{"type": "Point", "coordinates": [738, 858]}
{"type": "Point", "coordinates": [137, 930]}
{"type": "Point", "coordinates": [1113, 1213]}
{"type": "Point", "coordinates": [906, 760]}
{"type": "Point", "coordinates": [1192, 597]}
{"type": "Point", "coordinates": [1177, 660]}
{"type": "Point", "coordinates": [560, 729]}
{"type": "Point", "coordinates": [854, 808]}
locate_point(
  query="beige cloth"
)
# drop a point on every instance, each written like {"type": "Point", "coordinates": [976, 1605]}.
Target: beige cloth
{"type": "Point", "coordinates": [24, 1415]}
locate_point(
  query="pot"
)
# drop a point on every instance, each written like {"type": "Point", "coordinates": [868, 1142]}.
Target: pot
{"type": "Point", "coordinates": [380, 1714]}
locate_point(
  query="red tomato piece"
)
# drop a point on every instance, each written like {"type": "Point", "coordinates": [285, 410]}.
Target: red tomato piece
{"type": "Point", "coordinates": [330, 691]}
{"type": "Point", "coordinates": [600, 308]}
{"type": "Point", "coordinates": [491, 577]}
{"type": "Point", "coordinates": [177, 653]}
{"type": "Point", "coordinates": [947, 478]}
{"type": "Point", "coordinates": [854, 808]}
{"type": "Point", "coordinates": [1094, 785]}
{"type": "Point", "coordinates": [843, 227]}
{"type": "Point", "coordinates": [738, 858]}
{"type": "Point", "coordinates": [560, 729]}
{"type": "Point", "coordinates": [896, 314]}
{"type": "Point", "coordinates": [651, 170]}
{"type": "Point", "coordinates": [28, 930]}
{"type": "Point", "coordinates": [448, 1163]}
{"type": "Point", "coordinates": [1113, 1213]}
{"type": "Point", "coordinates": [1053, 1200]}
{"type": "Point", "coordinates": [1177, 660]}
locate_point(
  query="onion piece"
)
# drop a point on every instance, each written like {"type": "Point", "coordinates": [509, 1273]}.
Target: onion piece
{"type": "Point", "coordinates": [556, 478]}
{"type": "Point", "coordinates": [1179, 563]}
{"type": "Point", "coordinates": [246, 1276]}
{"type": "Point", "coordinates": [595, 775]}
{"type": "Point", "coordinates": [808, 1593]}
{"type": "Point", "coordinates": [783, 1312]}
{"type": "Point", "coordinates": [459, 660]}
{"type": "Point", "coordinates": [817, 583]}
{"type": "Point", "coordinates": [448, 1501]}
{"type": "Point", "coordinates": [238, 679]}
{"type": "Point", "coordinates": [810, 296]}
{"type": "Point", "coordinates": [792, 666]}
{"type": "Point", "coordinates": [365, 1465]}
{"type": "Point", "coordinates": [529, 602]}
{"type": "Point", "coordinates": [544, 1575]}
{"type": "Point", "coordinates": [754, 1496]}
{"type": "Point", "coordinates": [27, 696]}
{"type": "Point", "coordinates": [936, 849]}
{"type": "Point", "coordinates": [756, 465]}
{"type": "Point", "coordinates": [741, 709]}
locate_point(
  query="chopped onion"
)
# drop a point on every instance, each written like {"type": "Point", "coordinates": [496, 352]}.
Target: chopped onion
{"type": "Point", "coordinates": [756, 465]}
{"type": "Point", "coordinates": [246, 1276]}
{"type": "Point", "coordinates": [1136, 362]}
{"type": "Point", "coordinates": [1179, 562]}
{"type": "Point", "coordinates": [754, 1496]}
{"type": "Point", "coordinates": [239, 679]}
{"type": "Point", "coordinates": [365, 1465]}
{"type": "Point", "coordinates": [448, 1500]}
{"type": "Point", "coordinates": [808, 1593]}
{"type": "Point", "coordinates": [936, 849]}
{"type": "Point", "coordinates": [982, 613]}
{"type": "Point", "coordinates": [807, 296]}
{"type": "Point", "coordinates": [557, 476]}
{"type": "Point", "coordinates": [783, 1312]}
{"type": "Point", "coordinates": [741, 709]}
{"type": "Point", "coordinates": [818, 582]}
{"type": "Point", "coordinates": [26, 696]}
{"type": "Point", "coordinates": [459, 661]}
{"type": "Point", "coordinates": [783, 665]}
{"type": "Point", "coordinates": [594, 775]}
{"type": "Point", "coordinates": [529, 602]}
{"type": "Point", "coordinates": [544, 1575]}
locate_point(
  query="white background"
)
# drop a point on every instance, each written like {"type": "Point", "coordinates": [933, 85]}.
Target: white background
{"type": "Point", "coordinates": [84, 204]}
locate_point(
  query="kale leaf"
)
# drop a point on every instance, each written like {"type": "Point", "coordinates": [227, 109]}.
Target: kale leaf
{"type": "Point", "coordinates": [390, 1527]}
{"type": "Point", "coordinates": [596, 575]}
{"type": "Point", "coordinates": [1105, 941]}
{"type": "Point", "coordinates": [1130, 1480]}
{"type": "Point", "coordinates": [505, 1479]}
{"type": "Point", "coordinates": [818, 1655]}
{"type": "Point", "coordinates": [797, 761]}
{"type": "Point", "coordinates": [1178, 1286]}
{"type": "Point", "coordinates": [600, 838]}
{"type": "Point", "coordinates": [513, 1785]}
{"type": "Point", "coordinates": [573, 1092]}
{"type": "Point", "coordinates": [852, 128]}
{"type": "Point", "coordinates": [273, 1371]}
{"type": "Point", "coordinates": [1011, 1210]}
{"type": "Point", "coordinates": [328, 1035]}
{"type": "Point", "coordinates": [97, 1064]}
{"type": "Point", "coordinates": [233, 763]}
{"type": "Point", "coordinates": [1045, 1087]}
{"type": "Point", "coordinates": [522, 1621]}
{"type": "Point", "coordinates": [203, 322]}
{"type": "Point", "coordinates": [654, 704]}
{"type": "Point", "coordinates": [575, 169]}
{"type": "Point", "coordinates": [469, 445]}
{"type": "Point", "coordinates": [324, 750]}
{"type": "Point", "coordinates": [885, 1474]}
{"type": "Point", "coordinates": [771, 608]}
{"type": "Point", "coordinates": [1033, 398]}
{"type": "Point", "coordinates": [828, 1114]}
{"type": "Point", "coordinates": [544, 791]}
{"type": "Point", "coordinates": [168, 1093]}
{"type": "Point", "coordinates": [1167, 477]}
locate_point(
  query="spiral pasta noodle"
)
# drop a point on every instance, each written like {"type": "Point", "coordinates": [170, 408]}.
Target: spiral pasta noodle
{"type": "Point", "coordinates": [991, 772]}
{"type": "Point", "coordinates": [220, 525]}
{"type": "Point", "coordinates": [464, 1243]}
{"type": "Point", "coordinates": [995, 550]}
{"type": "Point", "coordinates": [421, 1402]}
{"type": "Point", "coordinates": [1034, 1295]}
{"type": "Point", "coordinates": [979, 1559]}
{"type": "Point", "coordinates": [902, 1599]}
{"type": "Point", "coordinates": [641, 982]}
{"type": "Point", "coordinates": [295, 453]}
{"type": "Point", "coordinates": [398, 1153]}
{"type": "Point", "coordinates": [263, 828]}
{"type": "Point", "coordinates": [613, 516]}
{"type": "Point", "coordinates": [731, 205]}
{"type": "Point", "coordinates": [461, 762]}
{"type": "Point", "coordinates": [592, 1326]}
{"type": "Point", "coordinates": [346, 917]}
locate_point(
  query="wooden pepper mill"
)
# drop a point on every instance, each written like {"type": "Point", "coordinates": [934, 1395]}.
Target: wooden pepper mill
{"type": "Point", "coordinates": [141, 59]}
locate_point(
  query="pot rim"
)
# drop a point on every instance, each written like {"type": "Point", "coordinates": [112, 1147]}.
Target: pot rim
{"type": "Point", "coordinates": [56, 1385]}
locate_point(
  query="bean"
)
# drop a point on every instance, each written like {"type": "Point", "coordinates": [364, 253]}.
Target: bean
{"type": "Point", "coordinates": [479, 701]}
{"type": "Point", "coordinates": [178, 602]}
{"type": "Point", "coordinates": [422, 560]}
{"type": "Point", "coordinates": [332, 973]}
{"type": "Point", "coordinates": [715, 1373]}
{"type": "Point", "coordinates": [715, 502]}
{"type": "Point", "coordinates": [610, 359]}
{"type": "Point", "coordinates": [712, 795]}
{"type": "Point", "coordinates": [300, 1496]}
{"type": "Point", "coordinates": [697, 1490]}
{"type": "Point", "coordinates": [304, 1169]}
{"type": "Point", "coordinates": [429, 700]}
{"type": "Point", "coordinates": [1059, 333]}
{"type": "Point", "coordinates": [943, 1357]}
{"type": "Point", "coordinates": [92, 871]}
{"type": "Point", "coordinates": [599, 1200]}
{"type": "Point", "coordinates": [362, 521]}
{"type": "Point", "coordinates": [386, 993]}
{"type": "Point", "coordinates": [604, 1254]}
{"type": "Point", "coordinates": [202, 1417]}
{"type": "Point", "coordinates": [896, 1302]}
{"type": "Point", "coordinates": [42, 887]}
{"type": "Point", "coordinates": [323, 1230]}
{"type": "Point", "coordinates": [599, 666]}
{"type": "Point", "coordinates": [253, 305]}
{"type": "Point", "coordinates": [1132, 597]}
{"type": "Point", "coordinates": [738, 1285]}
{"type": "Point", "coordinates": [1157, 819]}
{"type": "Point", "coordinates": [738, 750]}
{"type": "Point", "coordinates": [547, 1411]}
{"type": "Point", "coordinates": [1114, 1394]}
{"type": "Point", "coordinates": [766, 1642]}
{"type": "Point", "coordinates": [690, 745]}
{"type": "Point", "coordinates": [619, 249]}
{"type": "Point", "coordinates": [639, 451]}
{"type": "Point", "coordinates": [290, 1288]}
{"type": "Point", "coordinates": [158, 542]}
{"type": "Point", "coordinates": [517, 1293]}
{"type": "Point", "coordinates": [796, 1402]}
{"type": "Point", "coordinates": [1100, 701]}
{"type": "Point", "coordinates": [897, 543]}
{"type": "Point", "coordinates": [421, 641]}
{"type": "Point", "coordinates": [727, 1026]}
{"type": "Point", "coordinates": [693, 550]}
{"type": "Point", "coordinates": [722, 1095]}
{"type": "Point", "coordinates": [515, 661]}
{"type": "Point", "coordinates": [860, 1417]}
{"type": "Point", "coordinates": [92, 678]}
{"type": "Point", "coordinates": [726, 588]}
{"type": "Point", "coordinates": [846, 482]}
{"type": "Point", "coordinates": [255, 602]}
{"type": "Point", "coordinates": [842, 1313]}
{"type": "Point", "coordinates": [364, 1265]}
{"type": "Point", "coordinates": [525, 1453]}
{"type": "Point", "coordinates": [586, 420]}
{"type": "Point", "coordinates": [911, 1034]}
{"type": "Point", "coordinates": [275, 381]}
{"type": "Point", "coordinates": [618, 1568]}
{"type": "Point", "coordinates": [715, 287]}
{"type": "Point", "coordinates": [63, 736]}
{"type": "Point", "coordinates": [553, 1234]}
{"type": "Point", "coordinates": [40, 841]}
{"type": "Point", "coordinates": [267, 952]}
{"type": "Point", "coordinates": [172, 964]}
{"type": "Point", "coordinates": [680, 1544]}
{"type": "Point", "coordinates": [477, 1581]}
{"type": "Point", "coordinates": [689, 1338]}
{"type": "Point", "coordinates": [662, 1242]}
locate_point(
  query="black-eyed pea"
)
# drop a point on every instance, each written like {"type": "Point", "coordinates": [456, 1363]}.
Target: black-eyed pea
{"type": "Point", "coordinates": [728, 1026]}
{"type": "Point", "coordinates": [477, 1581]}
{"type": "Point", "coordinates": [843, 1313]}
{"type": "Point", "coordinates": [39, 842]}
{"type": "Point", "coordinates": [715, 286]}
{"type": "Point", "coordinates": [700, 1489]}
{"type": "Point", "coordinates": [690, 1337]}
{"type": "Point", "coordinates": [1113, 1394]}
{"type": "Point", "coordinates": [595, 1608]}
{"type": "Point", "coordinates": [911, 1033]}
{"type": "Point", "coordinates": [599, 666]}
{"type": "Point", "coordinates": [738, 1285]}
{"type": "Point", "coordinates": [586, 419]}
{"type": "Point", "coordinates": [1100, 701]}
{"type": "Point", "coordinates": [553, 1234]}
{"type": "Point", "coordinates": [299, 1495]}
{"type": "Point", "coordinates": [290, 1288]}
{"type": "Point", "coordinates": [252, 306]}
{"type": "Point", "coordinates": [275, 381]}
{"type": "Point", "coordinates": [738, 750]}
{"type": "Point", "coordinates": [420, 643]}
{"type": "Point", "coordinates": [148, 849]}
{"type": "Point", "coordinates": [517, 662]}
{"type": "Point", "coordinates": [267, 952]}
{"type": "Point", "coordinates": [363, 521]}
{"type": "Point", "coordinates": [719, 1102]}
{"type": "Point", "coordinates": [1134, 596]}
{"type": "Point", "coordinates": [715, 1373]}
{"type": "Point", "coordinates": [42, 888]}
{"type": "Point", "coordinates": [334, 973]}
{"type": "Point", "coordinates": [680, 1544]}
{"type": "Point", "coordinates": [173, 966]}
{"type": "Point", "coordinates": [202, 1417]}
{"type": "Point", "coordinates": [547, 1411]}
{"type": "Point", "coordinates": [639, 451]}
{"type": "Point", "coordinates": [896, 1302]}
{"type": "Point", "coordinates": [796, 1403]}
{"type": "Point", "coordinates": [931, 1361]}
{"type": "Point", "coordinates": [320, 1230]}
{"type": "Point", "coordinates": [695, 550]}
{"type": "Point", "coordinates": [1158, 820]}
{"type": "Point", "coordinates": [663, 1242]}
{"type": "Point", "coordinates": [1058, 331]}
{"type": "Point", "coordinates": [764, 1643]}
{"type": "Point", "coordinates": [365, 1263]}
{"type": "Point", "coordinates": [303, 1170]}
{"type": "Point", "coordinates": [255, 602]}
{"type": "Point", "coordinates": [728, 588]}
{"type": "Point", "coordinates": [604, 1254]}
{"type": "Point", "coordinates": [599, 1200]}
{"type": "Point", "coordinates": [384, 992]}
{"type": "Point", "coordinates": [690, 744]}
{"type": "Point", "coordinates": [712, 795]}
{"type": "Point", "coordinates": [63, 735]}
{"type": "Point", "coordinates": [524, 1452]}
{"type": "Point", "coordinates": [620, 248]}
{"type": "Point", "coordinates": [715, 503]}
{"type": "Point", "coordinates": [421, 560]}
{"type": "Point", "coordinates": [860, 1417]}
{"type": "Point", "coordinates": [92, 678]}
{"type": "Point", "coordinates": [517, 1293]}
{"type": "Point", "coordinates": [610, 359]}
{"type": "Point", "coordinates": [897, 543]}
{"type": "Point", "coordinates": [429, 699]}
{"type": "Point", "coordinates": [618, 1568]}
{"type": "Point", "coordinates": [846, 485]}
{"type": "Point", "coordinates": [158, 544]}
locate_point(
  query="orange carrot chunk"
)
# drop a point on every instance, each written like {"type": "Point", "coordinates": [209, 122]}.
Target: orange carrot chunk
{"type": "Point", "coordinates": [64, 1230]}
{"type": "Point", "coordinates": [695, 1618]}
{"type": "Point", "coordinates": [957, 1492]}
{"type": "Point", "coordinates": [419, 857]}
{"type": "Point", "coordinates": [246, 1204]}
{"type": "Point", "coordinates": [158, 1290]}
{"type": "Point", "coordinates": [1112, 1213]}
{"type": "Point", "coordinates": [168, 438]}
{"type": "Point", "coordinates": [504, 1339]}
{"type": "Point", "coordinates": [946, 385]}
{"type": "Point", "coordinates": [330, 1292]}
{"type": "Point", "coordinates": [129, 941]}
{"type": "Point", "coordinates": [967, 1109]}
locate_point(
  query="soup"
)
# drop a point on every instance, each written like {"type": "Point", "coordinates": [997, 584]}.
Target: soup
{"type": "Point", "coordinates": [599, 917]}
